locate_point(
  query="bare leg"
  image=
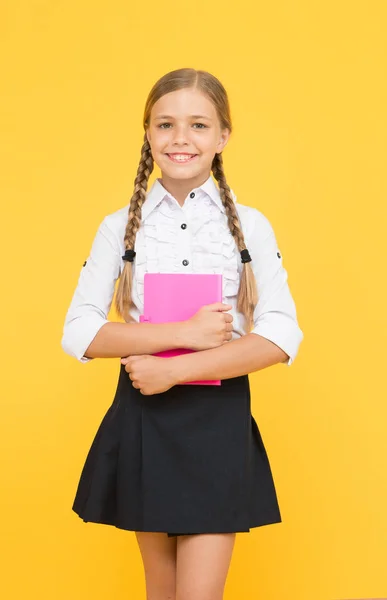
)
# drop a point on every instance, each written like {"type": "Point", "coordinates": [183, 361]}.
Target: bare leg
{"type": "Point", "coordinates": [202, 566]}
{"type": "Point", "coordinates": [158, 553]}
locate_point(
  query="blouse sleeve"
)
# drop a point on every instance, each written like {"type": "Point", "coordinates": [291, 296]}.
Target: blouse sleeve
{"type": "Point", "coordinates": [93, 295]}
{"type": "Point", "coordinates": [275, 316]}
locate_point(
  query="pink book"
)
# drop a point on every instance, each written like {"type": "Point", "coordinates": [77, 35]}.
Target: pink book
{"type": "Point", "coordinates": [171, 297]}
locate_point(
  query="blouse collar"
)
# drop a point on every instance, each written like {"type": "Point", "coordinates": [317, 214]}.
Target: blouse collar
{"type": "Point", "coordinates": [158, 193]}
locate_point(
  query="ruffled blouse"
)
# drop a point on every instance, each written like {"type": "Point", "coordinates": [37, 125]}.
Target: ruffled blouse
{"type": "Point", "coordinates": [193, 237]}
{"type": "Point", "coordinates": [213, 249]}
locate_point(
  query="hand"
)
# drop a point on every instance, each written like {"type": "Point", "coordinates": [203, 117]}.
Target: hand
{"type": "Point", "coordinates": [150, 374]}
{"type": "Point", "coordinates": [209, 327]}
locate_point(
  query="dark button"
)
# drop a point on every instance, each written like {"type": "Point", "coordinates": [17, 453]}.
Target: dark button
{"type": "Point", "coordinates": [183, 225]}
{"type": "Point", "coordinates": [278, 254]}
{"type": "Point", "coordinates": [192, 195]}
{"type": "Point", "coordinates": [185, 262]}
{"type": "Point", "coordinates": [85, 263]}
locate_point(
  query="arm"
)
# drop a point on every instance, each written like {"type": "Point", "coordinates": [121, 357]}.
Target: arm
{"type": "Point", "coordinates": [121, 339]}
{"type": "Point", "coordinates": [87, 332]}
{"type": "Point", "coordinates": [238, 357]}
{"type": "Point", "coordinates": [276, 335]}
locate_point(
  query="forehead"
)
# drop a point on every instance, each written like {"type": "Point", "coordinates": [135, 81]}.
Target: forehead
{"type": "Point", "coordinates": [184, 103]}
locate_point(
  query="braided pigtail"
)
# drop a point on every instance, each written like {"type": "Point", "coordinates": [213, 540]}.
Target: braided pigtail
{"type": "Point", "coordinates": [213, 89]}
{"type": "Point", "coordinates": [247, 294]}
{"type": "Point", "coordinates": [123, 302]}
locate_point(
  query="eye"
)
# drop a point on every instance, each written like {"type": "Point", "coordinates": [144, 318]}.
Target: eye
{"type": "Point", "coordinates": [162, 125]}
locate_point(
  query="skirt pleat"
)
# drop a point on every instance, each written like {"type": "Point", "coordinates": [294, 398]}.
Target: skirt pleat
{"type": "Point", "coordinates": [188, 460]}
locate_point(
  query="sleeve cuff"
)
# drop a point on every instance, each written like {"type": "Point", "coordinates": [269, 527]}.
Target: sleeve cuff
{"type": "Point", "coordinates": [282, 330]}
{"type": "Point", "coordinates": [78, 335]}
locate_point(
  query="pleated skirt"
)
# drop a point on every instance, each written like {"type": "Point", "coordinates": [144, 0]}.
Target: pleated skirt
{"type": "Point", "coordinates": [185, 461]}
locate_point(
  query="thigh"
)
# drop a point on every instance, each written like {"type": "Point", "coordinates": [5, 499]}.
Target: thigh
{"type": "Point", "coordinates": [158, 553]}
{"type": "Point", "coordinates": [202, 565]}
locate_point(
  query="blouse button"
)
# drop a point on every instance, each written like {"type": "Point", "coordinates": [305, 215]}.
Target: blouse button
{"type": "Point", "coordinates": [192, 195]}
{"type": "Point", "coordinates": [185, 262]}
{"type": "Point", "coordinates": [279, 255]}
{"type": "Point", "coordinates": [183, 225]}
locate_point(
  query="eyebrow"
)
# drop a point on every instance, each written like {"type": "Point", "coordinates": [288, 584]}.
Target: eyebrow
{"type": "Point", "coordinates": [192, 116]}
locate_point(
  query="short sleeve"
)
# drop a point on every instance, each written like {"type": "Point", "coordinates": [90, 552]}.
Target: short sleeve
{"type": "Point", "coordinates": [93, 295]}
{"type": "Point", "coordinates": [275, 316]}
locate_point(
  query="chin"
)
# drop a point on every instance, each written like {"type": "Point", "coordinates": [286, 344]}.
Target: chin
{"type": "Point", "coordinates": [181, 176]}
{"type": "Point", "coordinates": [180, 172]}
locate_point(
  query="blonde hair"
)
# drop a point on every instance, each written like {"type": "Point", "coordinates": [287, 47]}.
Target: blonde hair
{"type": "Point", "coordinates": [210, 86]}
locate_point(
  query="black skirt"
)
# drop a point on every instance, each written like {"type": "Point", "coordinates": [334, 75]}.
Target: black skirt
{"type": "Point", "coordinates": [188, 460]}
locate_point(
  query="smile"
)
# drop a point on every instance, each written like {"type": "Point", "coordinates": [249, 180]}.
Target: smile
{"type": "Point", "coordinates": [181, 158]}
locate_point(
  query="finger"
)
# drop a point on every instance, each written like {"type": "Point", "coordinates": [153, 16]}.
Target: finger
{"type": "Point", "coordinates": [135, 357]}
{"type": "Point", "coordinates": [129, 363]}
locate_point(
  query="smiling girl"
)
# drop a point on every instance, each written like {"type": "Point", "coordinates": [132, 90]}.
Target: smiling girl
{"type": "Point", "coordinates": [183, 466]}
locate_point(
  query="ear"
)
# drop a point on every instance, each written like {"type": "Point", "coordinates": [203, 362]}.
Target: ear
{"type": "Point", "coordinates": [224, 137]}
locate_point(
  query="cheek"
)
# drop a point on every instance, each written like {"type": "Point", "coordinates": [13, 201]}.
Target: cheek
{"type": "Point", "coordinates": [158, 141]}
{"type": "Point", "coordinates": [206, 143]}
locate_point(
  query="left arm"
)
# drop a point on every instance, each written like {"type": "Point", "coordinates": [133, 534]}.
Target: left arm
{"type": "Point", "coordinates": [244, 355]}
{"type": "Point", "coordinates": [276, 335]}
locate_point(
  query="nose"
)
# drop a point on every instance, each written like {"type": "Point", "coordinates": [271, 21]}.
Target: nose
{"type": "Point", "coordinates": [180, 136]}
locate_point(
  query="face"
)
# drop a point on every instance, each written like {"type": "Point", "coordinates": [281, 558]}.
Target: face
{"type": "Point", "coordinates": [175, 129]}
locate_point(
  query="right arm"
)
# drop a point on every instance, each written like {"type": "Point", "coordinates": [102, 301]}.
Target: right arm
{"type": "Point", "coordinates": [123, 339]}
{"type": "Point", "coordinates": [87, 332]}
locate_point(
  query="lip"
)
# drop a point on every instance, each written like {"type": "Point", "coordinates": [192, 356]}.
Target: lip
{"type": "Point", "coordinates": [193, 156]}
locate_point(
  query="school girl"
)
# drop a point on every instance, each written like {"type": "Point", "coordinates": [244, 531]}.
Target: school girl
{"type": "Point", "coordinates": [183, 466]}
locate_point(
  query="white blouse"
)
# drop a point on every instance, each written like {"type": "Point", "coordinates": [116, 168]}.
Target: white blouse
{"type": "Point", "coordinates": [195, 238]}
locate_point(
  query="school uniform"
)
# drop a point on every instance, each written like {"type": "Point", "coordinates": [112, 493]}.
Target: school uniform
{"type": "Point", "coordinates": [191, 459]}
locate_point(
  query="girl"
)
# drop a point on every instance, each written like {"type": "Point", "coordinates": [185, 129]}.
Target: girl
{"type": "Point", "coordinates": [183, 466]}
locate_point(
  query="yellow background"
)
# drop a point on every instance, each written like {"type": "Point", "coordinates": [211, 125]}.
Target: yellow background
{"type": "Point", "coordinates": [308, 92]}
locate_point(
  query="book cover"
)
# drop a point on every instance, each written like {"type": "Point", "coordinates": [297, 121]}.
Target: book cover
{"type": "Point", "coordinates": [171, 297]}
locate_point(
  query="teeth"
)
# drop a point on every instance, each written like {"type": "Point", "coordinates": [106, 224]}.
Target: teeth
{"type": "Point", "coordinates": [181, 157]}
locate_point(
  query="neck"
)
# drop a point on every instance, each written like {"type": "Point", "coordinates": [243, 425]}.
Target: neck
{"type": "Point", "coordinates": [180, 188]}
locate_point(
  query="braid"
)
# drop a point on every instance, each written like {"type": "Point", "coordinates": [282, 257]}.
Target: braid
{"type": "Point", "coordinates": [247, 294]}
{"type": "Point", "coordinates": [123, 301]}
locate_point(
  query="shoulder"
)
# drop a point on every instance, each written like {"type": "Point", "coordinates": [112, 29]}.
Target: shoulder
{"type": "Point", "coordinates": [118, 219]}
{"type": "Point", "coordinates": [254, 222]}
{"type": "Point", "coordinates": [113, 226]}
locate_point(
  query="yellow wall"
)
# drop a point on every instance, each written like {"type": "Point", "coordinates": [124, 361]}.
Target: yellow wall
{"type": "Point", "coordinates": [308, 92]}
